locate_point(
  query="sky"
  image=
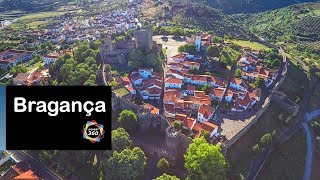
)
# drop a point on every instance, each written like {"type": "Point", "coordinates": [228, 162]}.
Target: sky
{"type": "Point", "coordinates": [2, 117]}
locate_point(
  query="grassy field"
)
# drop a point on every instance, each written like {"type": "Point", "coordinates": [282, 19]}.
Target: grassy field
{"type": "Point", "coordinates": [240, 154]}
{"type": "Point", "coordinates": [249, 44]}
{"type": "Point", "coordinates": [41, 15]}
{"type": "Point", "coordinates": [293, 84]}
{"type": "Point", "coordinates": [36, 24]}
{"type": "Point", "coordinates": [121, 92]}
{"type": "Point", "coordinates": [288, 161]}
{"type": "Point", "coordinates": [34, 66]}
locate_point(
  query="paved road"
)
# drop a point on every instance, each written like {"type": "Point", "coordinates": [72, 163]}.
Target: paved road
{"type": "Point", "coordinates": [40, 169]}
{"type": "Point", "coordinates": [309, 153]}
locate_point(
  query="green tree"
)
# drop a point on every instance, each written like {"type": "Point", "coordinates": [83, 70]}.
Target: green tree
{"type": "Point", "coordinates": [256, 148]}
{"type": "Point", "coordinates": [206, 135]}
{"type": "Point", "coordinates": [213, 51]}
{"type": "Point", "coordinates": [120, 139]}
{"type": "Point", "coordinates": [238, 73]}
{"type": "Point", "coordinates": [205, 161]}
{"type": "Point", "coordinates": [206, 88]}
{"type": "Point", "coordinates": [127, 164]}
{"type": "Point", "coordinates": [318, 75]}
{"type": "Point", "coordinates": [275, 63]}
{"type": "Point", "coordinates": [176, 125]}
{"type": "Point", "coordinates": [163, 165]}
{"type": "Point", "coordinates": [167, 177]}
{"type": "Point", "coordinates": [188, 48]}
{"type": "Point", "coordinates": [128, 120]}
{"type": "Point", "coordinates": [259, 82]}
{"type": "Point", "coordinates": [266, 139]}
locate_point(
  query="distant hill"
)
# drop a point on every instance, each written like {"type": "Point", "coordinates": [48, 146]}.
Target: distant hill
{"type": "Point", "coordinates": [250, 6]}
{"type": "Point", "coordinates": [300, 22]}
{"type": "Point", "coordinates": [194, 15]}
{"type": "Point", "coordinates": [31, 5]}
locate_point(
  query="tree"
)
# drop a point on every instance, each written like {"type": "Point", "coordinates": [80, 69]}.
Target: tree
{"type": "Point", "coordinates": [120, 139]}
{"type": "Point", "coordinates": [187, 48]}
{"type": "Point", "coordinates": [274, 133]}
{"type": "Point", "coordinates": [206, 135]}
{"type": "Point", "coordinates": [163, 165]}
{"type": "Point", "coordinates": [318, 75]}
{"type": "Point", "coordinates": [206, 88]}
{"type": "Point", "coordinates": [238, 73]}
{"type": "Point", "coordinates": [167, 177]}
{"type": "Point", "coordinates": [266, 139]}
{"type": "Point", "coordinates": [205, 161]}
{"type": "Point", "coordinates": [176, 125]}
{"type": "Point", "coordinates": [128, 120]}
{"type": "Point", "coordinates": [259, 82]}
{"type": "Point", "coordinates": [128, 164]}
{"type": "Point", "coordinates": [275, 63]}
{"type": "Point", "coordinates": [213, 51]}
{"type": "Point", "coordinates": [256, 148]}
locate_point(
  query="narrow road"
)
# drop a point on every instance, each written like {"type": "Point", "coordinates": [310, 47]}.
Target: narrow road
{"type": "Point", "coordinates": [42, 171]}
{"type": "Point", "coordinates": [309, 153]}
{"type": "Point", "coordinates": [259, 160]}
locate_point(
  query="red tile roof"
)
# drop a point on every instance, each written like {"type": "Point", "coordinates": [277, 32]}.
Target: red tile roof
{"type": "Point", "coordinates": [245, 101]}
{"type": "Point", "coordinates": [171, 96]}
{"type": "Point", "coordinates": [208, 126]}
{"type": "Point", "coordinates": [200, 94]}
{"type": "Point", "coordinates": [29, 175]}
{"type": "Point", "coordinates": [173, 80]}
{"type": "Point", "coordinates": [206, 110]}
{"type": "Point", "coordinates": [180, 56]}
{"type": "Point", "coordinates": [217, 92]}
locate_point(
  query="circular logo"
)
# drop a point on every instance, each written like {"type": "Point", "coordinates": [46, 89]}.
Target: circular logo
{"type": "Point", "coordinates": [93, 131]}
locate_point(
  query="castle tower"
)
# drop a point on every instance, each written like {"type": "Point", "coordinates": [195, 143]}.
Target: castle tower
{"type": "Point", "coordinates": [198, 43]}
{"type": "Point", "coordinates": [143, 38]}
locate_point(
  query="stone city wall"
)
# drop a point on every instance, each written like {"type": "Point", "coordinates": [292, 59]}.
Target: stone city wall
{"type": "Point", "coordinates": [255, 118]}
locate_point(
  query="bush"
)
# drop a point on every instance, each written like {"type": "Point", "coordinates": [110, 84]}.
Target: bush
{"type": "Point", "coordinates": [266, 139]}
{"type": "Point", "coordinates": [128, 120]}
{"type": "Point", "coordinates": [176, 125]}
{"type": "Point", "coordinates": [163, 165]}
{"type": "Point", "coordinates": [256, 148]}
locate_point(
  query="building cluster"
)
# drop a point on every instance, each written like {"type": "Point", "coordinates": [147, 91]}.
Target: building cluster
{"type": "Point", "coordinates": [201, 41]}
{"type": "Point", "coordinates": [21, 170]}
{"type": "Point", "coordinates": [52, 57]}
{"type": "Point", "coordinates": [116, 21]}
{"type": "Point", "coordinates": [147, 83]}
{"type": "Point", "coordinates": [252, 68]}
{"type": "Point", "coordinates": [11, 58]}
{"type": "Point", "coordinates": [71, 29]}
{"type": "Point", "coordinates": [30, 79]}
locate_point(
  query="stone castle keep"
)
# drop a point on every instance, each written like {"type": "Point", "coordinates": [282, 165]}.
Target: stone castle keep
{"type": "Point", "coordinates": [143, 38]}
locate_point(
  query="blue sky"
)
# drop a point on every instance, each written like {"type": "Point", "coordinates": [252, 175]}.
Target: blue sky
{"type": "Point", "coordinates": [2, 117]}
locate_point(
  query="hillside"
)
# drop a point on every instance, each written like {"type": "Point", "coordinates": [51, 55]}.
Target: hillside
{"type": "Point", "coordinates": [32, 5]}
{"type": "Point", "coordinates": [250, 6]}
{"type": "Point", "coordinates": [193, 15]}
{"type": "Point", "coordinates": [296, 27]}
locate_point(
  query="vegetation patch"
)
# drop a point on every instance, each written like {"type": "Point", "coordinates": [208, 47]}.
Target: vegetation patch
{"type": "Point", "coordinates": [288, 161]}
{"type": "Point", "coordinates": [251, 45]}
{"type": "Point", "coordinates": [121, 92]}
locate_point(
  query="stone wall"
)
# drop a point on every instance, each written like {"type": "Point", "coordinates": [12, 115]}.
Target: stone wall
{"type": "Point", "coordinates": [255, 118]}
{"type": "Point", "coordinates": [145, 118]}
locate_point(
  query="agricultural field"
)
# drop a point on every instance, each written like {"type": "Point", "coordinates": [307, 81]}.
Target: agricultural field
{"type": "Point", "coordinates": [310, 25]}
{"type": "Point", "coordinates": [41, 15]}
{"type": "Point", "coordinates": [287, 162]}
{"type": "Point", "coordinates": [252, 45]}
